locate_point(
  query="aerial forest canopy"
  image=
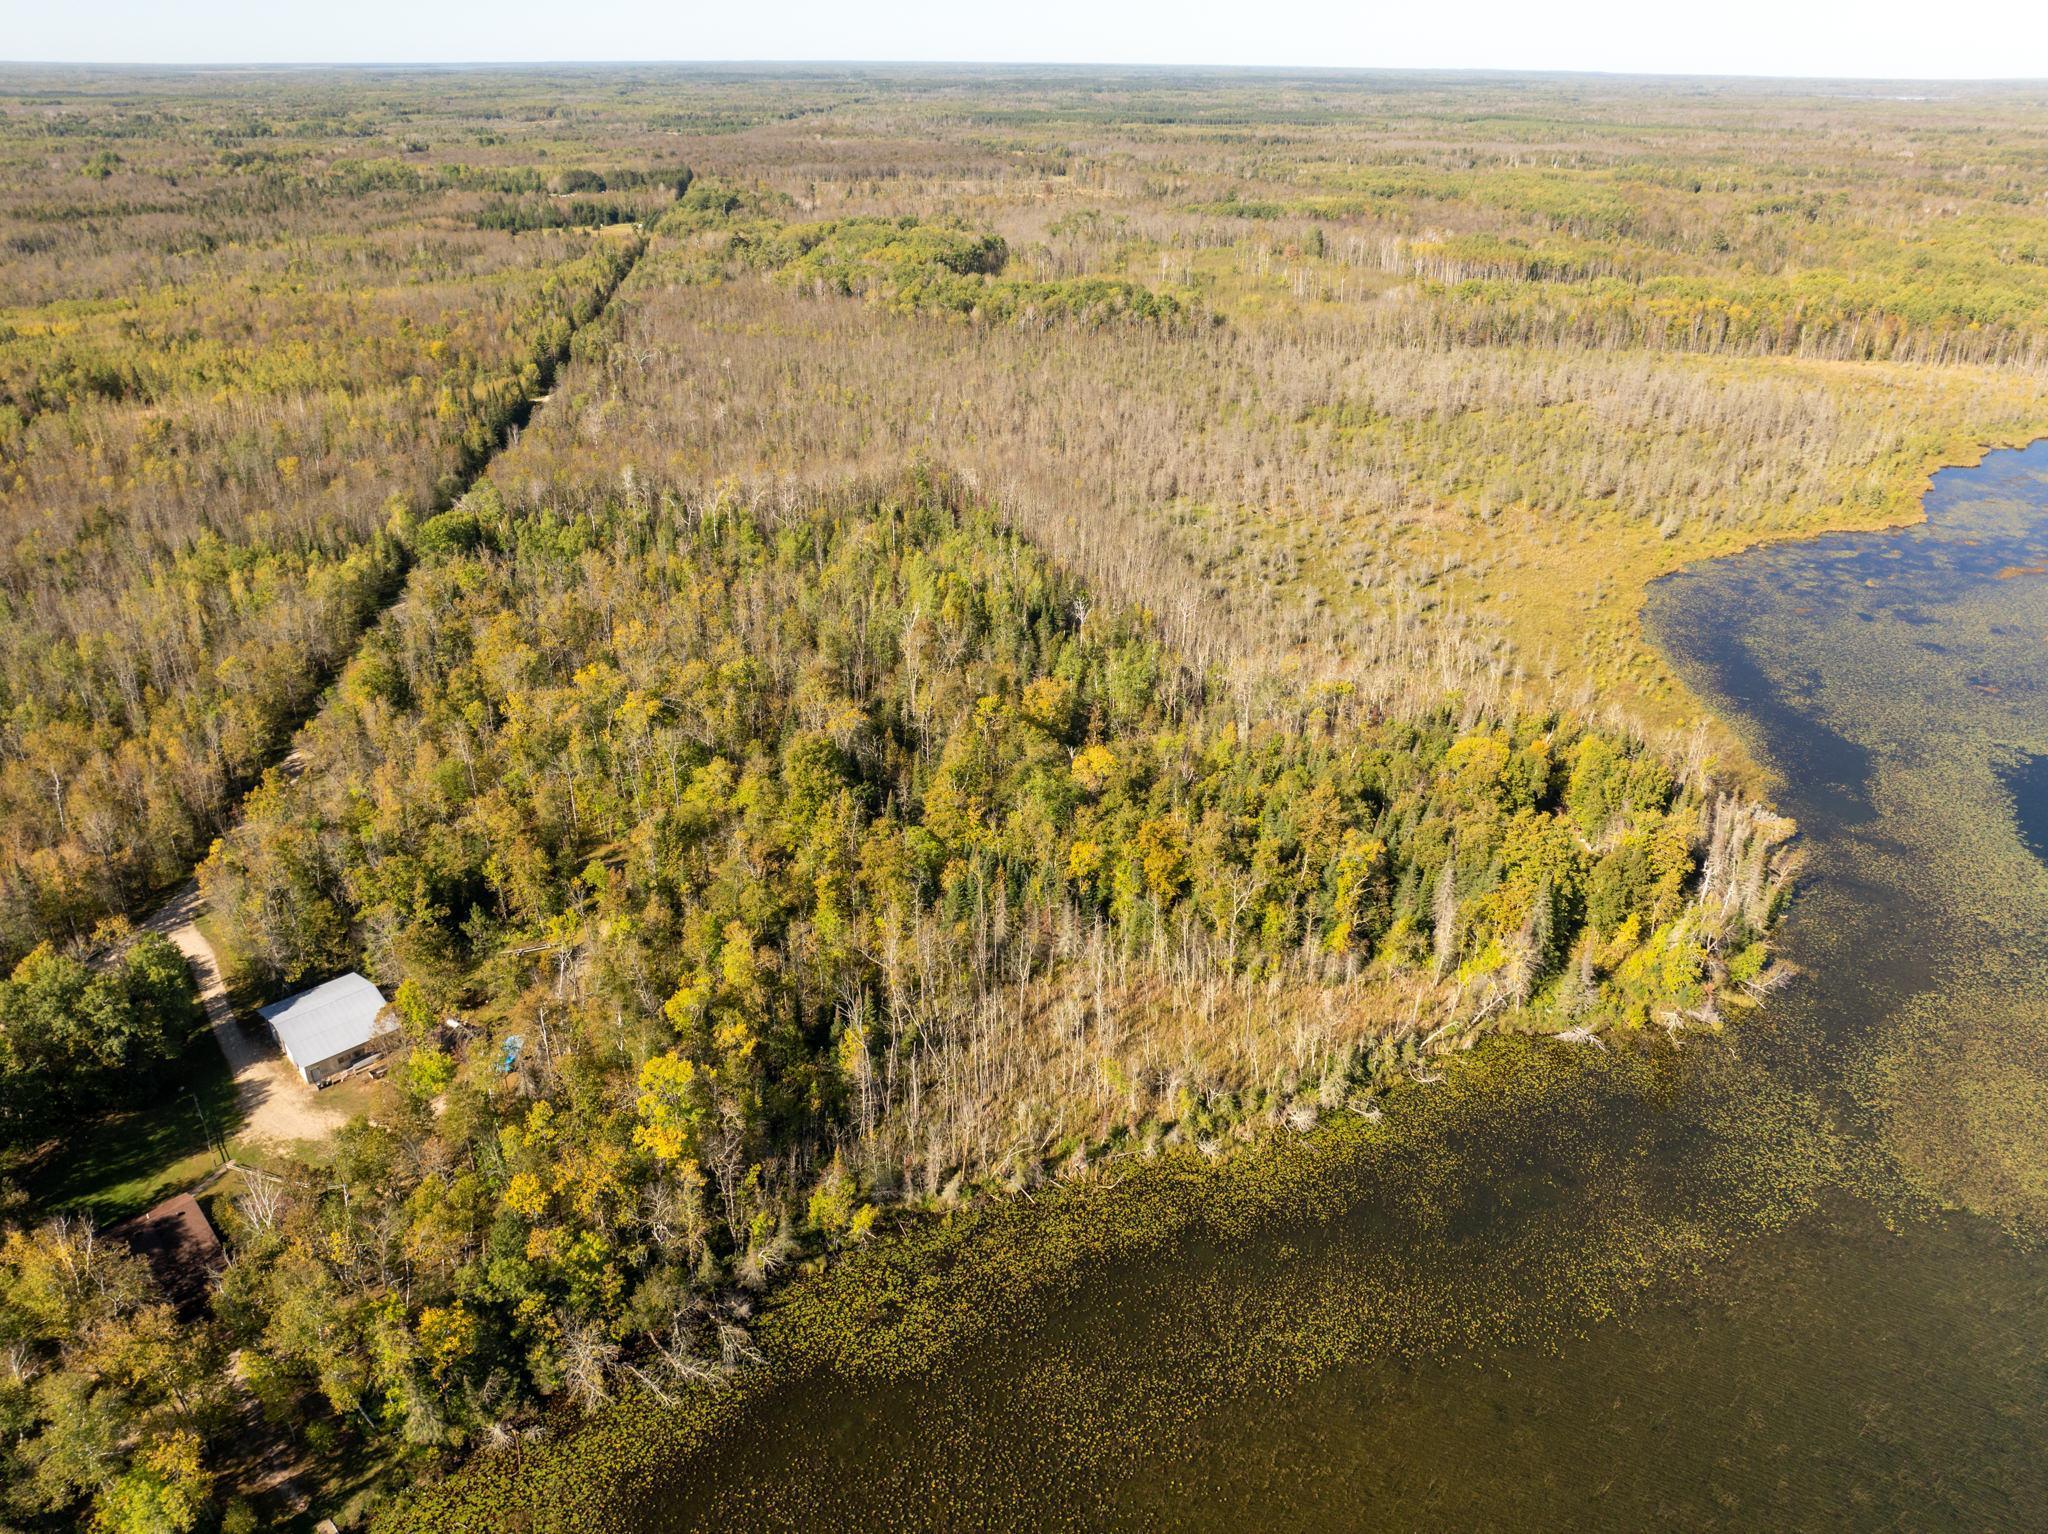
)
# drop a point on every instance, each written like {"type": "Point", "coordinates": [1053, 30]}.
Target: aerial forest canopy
{"type": "Point", "coordinates": [841, 853]}
{"type": "Point", "coordinates": [226, 398]}
{"type": "Point", "coordinates": [89, 1026]}
{"type": "Point", "coordinates": [844, 643]}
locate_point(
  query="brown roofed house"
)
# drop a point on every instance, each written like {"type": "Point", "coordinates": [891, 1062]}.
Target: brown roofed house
{"type": "Point", "coordinates": [180, 1245]}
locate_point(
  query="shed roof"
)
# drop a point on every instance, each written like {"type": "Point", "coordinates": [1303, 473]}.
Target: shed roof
{"type": "Point", "coordinates": [318, 1024]}
{"type": "Point", "coordinates": [180, 1245]}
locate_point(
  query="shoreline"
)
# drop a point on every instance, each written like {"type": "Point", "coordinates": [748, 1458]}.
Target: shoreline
{"type": "Point", "coordinates": [1026, 1252]}
{"type": "Point", "coordinates": [1906, 509]}
{"type": "Point", "coordinates": [935, 1292]}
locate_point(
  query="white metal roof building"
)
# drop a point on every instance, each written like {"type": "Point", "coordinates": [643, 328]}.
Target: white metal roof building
{"type": "Point", "coordinates": [326, 1030]}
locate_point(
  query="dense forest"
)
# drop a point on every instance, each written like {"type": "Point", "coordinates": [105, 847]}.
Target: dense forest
{"type": "Point", "coordinates": [212, 457]}
{"type": "Point", "coordinates": [833, 856]}
{"type": "Point", "coordinates": [855, 643]}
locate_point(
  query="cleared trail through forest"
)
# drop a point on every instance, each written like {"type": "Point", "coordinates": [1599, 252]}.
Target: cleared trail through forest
{"type": "Point", "coordinates": [278, 1108]}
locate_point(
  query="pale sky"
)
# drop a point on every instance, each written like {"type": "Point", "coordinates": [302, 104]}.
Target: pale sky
{"type": "Point", "coordinates": [1925, 39]}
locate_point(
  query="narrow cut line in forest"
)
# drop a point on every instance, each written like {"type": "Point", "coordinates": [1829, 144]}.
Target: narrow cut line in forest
{"type": "Point", "coordinates": [198, 534]}
{"type": "Point", "coordinates": [277, 1108]}
{"type": "Point", "coordinates": [288, 757]}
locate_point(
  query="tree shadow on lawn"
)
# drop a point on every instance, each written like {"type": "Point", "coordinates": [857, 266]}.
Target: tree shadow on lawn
{"type": "Point", "coordinates": [120, 1162]}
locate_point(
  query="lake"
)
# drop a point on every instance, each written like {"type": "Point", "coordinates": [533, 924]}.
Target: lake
{"type": "Point", "coordinates": [1788, 1277]}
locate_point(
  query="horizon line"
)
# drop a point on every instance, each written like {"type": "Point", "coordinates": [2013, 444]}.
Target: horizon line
{"type": "Point", "coordinates": [1298, 70]}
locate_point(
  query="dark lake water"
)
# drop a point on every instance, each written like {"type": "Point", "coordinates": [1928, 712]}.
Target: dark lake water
{"type": "Point", "coordinates": [1789, 1278]}
{"type": "Point", "coordinates": [2027, 781]}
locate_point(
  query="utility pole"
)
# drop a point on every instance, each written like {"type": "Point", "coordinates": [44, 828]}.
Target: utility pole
{"type": "Point", "coordinates": [206, 1133]}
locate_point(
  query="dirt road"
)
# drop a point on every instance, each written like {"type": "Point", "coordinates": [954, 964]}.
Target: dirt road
{"type": "Point", "coordinates": [277, 1107]}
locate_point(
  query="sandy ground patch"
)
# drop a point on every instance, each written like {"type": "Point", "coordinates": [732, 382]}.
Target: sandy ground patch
{"type": "Point", "coordinates": [277, 1107]}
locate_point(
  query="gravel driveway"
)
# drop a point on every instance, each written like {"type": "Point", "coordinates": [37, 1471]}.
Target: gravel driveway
{"type": "Point", "coordinates": [277, 1107]}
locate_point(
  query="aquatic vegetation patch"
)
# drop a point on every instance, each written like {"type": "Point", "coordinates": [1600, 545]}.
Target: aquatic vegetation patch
{"type": "Point", "coordinates": [1255, 1271]}
{"type": "Point", "coordinates": [1917, 651]}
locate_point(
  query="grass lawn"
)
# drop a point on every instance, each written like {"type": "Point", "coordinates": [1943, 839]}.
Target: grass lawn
{"type": "Point", "coordinates": [360, 1094]}
{"type": "Point", "coordinates": [124, 1161]}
